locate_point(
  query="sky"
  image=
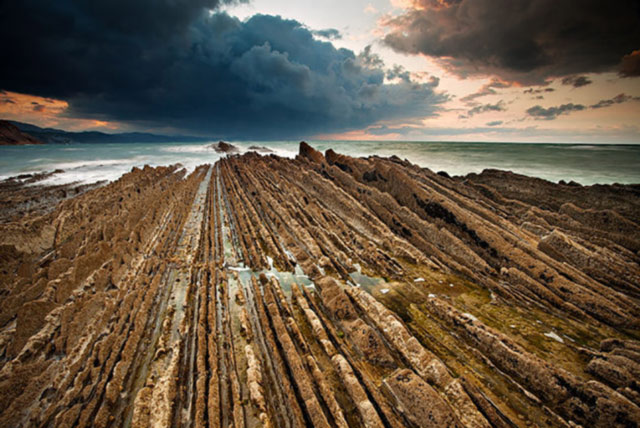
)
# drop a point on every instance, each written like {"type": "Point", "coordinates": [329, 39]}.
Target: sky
{"type": "Point", "coordinates": [464, 70]}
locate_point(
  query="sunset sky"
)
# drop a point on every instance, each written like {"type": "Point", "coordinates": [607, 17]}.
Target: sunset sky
{"type": "Point", "coordinates": [466, 70]}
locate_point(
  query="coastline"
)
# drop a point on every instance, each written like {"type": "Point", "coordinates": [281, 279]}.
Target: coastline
{"type": "Point", "coordinates": [322, 289]}
{"type": "Point", "coordinates": [86, 163]}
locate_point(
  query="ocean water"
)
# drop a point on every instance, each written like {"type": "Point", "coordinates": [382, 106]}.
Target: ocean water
{"type": "Point", "coordinates": [585, 164]}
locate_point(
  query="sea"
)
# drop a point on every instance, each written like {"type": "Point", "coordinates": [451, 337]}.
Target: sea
{"type": "Point", "coordinates": [586, 164]}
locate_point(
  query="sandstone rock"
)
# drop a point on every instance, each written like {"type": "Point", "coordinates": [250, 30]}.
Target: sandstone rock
{"type": "Point", "coordinates": [249, 294]}
{"type": "Point", "coordinates": [308, 152]}
{"type": "Point", "coordinates": [418, 401]}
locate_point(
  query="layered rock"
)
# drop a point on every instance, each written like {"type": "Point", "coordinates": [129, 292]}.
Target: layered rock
{"type": "Point", "coordinates": [323, 290]}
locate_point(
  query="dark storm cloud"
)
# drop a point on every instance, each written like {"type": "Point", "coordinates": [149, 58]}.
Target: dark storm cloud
{"type": "Point", "coordinates": [150, 17]}
{"type": "Point", "coordinates": [528, 41]}
{"type": "Point", "coordinates": [174, 63]}
{"type": "Point", "coordinates": [576, 81]}
{"type": "Point", "coordinates": [494, 123]}
{"type": "Point", "coordinates": [541, 113]}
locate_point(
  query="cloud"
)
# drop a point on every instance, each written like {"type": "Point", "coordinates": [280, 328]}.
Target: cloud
{"type": "Point", "coordinates": [495, 123]}
{"type": "Point", "coordinates": [371, 9]}
{"type": "Point", "coordinates": [525, 41]}
{"type": "Point", "coordinates": [484, 108]}
{"type": "Point", "coordinates": [329, 34]}
{"type": "Point", "coordinates": [5, 98]}
{"type": "Point", "coordinates": [576, 81]}
{"type": "Point", "coordinates": [210, 73]}
{"type": "Point", "coordinates": [487, 89]}
{"type": "Point", "coordinates": [399, 72]}
{"type": "Point", "coordinates": [618, 99]}
{"type": "Point", "coordinates": [541, 113]}
{"type": "Point", "coordinates": [537, 91]}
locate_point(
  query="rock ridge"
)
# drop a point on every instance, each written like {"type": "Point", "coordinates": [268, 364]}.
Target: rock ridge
{"type": "Point", "coordinates": [324, 291]}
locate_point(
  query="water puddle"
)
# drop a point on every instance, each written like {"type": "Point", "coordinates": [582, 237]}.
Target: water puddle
{"type": "Point", "coordinates": [368, 283]}
{"type": "Point", "coordinates": [286, 279]}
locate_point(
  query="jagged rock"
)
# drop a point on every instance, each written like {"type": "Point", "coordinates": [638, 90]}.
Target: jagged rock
{"type": "Point", "coordinates": [266, 291]}
{"type": "Point", "coordinates": [308, 152]}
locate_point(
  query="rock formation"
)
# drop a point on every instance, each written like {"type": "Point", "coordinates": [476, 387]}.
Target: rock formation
{"type": "Point", "coordinates": [324, 291]}
{"type": "Point", "coordinates": [222, 147]}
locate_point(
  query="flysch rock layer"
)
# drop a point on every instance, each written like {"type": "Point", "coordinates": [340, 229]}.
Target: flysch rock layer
{"type": "Point", "coordinates": [324, 291]}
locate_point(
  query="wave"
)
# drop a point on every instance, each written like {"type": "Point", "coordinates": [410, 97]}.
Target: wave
{"type": "Point", "coordinates": [189, 149]}
{"type": "Point", "coordinates": [91, 171]}
{"type": "Point", "coordinates": [98, 163]}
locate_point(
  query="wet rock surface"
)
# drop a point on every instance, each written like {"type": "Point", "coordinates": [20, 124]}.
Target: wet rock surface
{"type": "Point", "coordinates": [319, 291]}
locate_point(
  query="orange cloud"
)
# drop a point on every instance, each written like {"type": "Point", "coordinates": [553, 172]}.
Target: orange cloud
{"type": "Point", "coordinates": [46, 113]}
{"type": "Point", "coordinates": [15, 106]}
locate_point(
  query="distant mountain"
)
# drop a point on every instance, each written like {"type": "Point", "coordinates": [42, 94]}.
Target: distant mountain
{"type": "Point", "coordinates": [10, 134]}
{"type": "Point", "coordinates": [58, 136]}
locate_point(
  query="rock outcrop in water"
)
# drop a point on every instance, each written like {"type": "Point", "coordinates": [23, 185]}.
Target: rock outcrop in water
{"type": "Point", "coordinates": [222, 147]}
{"type": "Point", "coordinates": [322, 291]}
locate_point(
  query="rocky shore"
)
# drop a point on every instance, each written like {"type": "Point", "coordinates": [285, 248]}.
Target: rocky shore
{"type": "Point", "coordinates": [324, 291]}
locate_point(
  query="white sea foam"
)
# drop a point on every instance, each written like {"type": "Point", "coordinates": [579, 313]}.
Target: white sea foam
{"type": "Point", "coordinates": [91, 171]}
{"type": "Point", "coordinates": [183, 148]}
{"type": "Point", "coordinates": [99, 163]}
